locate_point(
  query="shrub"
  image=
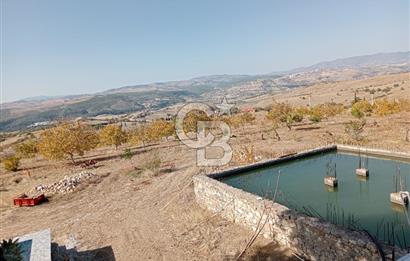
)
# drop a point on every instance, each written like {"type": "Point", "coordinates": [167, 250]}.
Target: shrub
{"type": "Point", "coordinates": [295, 117]}
{"type": "Point", "coordinates": [10, 250]}
{"type": "Point", "coordinates": [11, 163]}
{"type": "Point", "coordinates": [357, 113]}
{"type": "Point", "coordinates": [386, 107]}
{"type": "Point", "coordinates": [245, 155]}
{"type": "Point", "coordinates": [315, 118]}
{"type": "Point", "coordinates": [354, 129]}
{"type": "Point", "coordinates": [127, 154]}
{"type": "Point", "coordinates": [280, 111]}
{"type": "Point", "coordinates": [153, 164]}
{"type": "Point", "coordinates": [361, 108]}
{"type": "Point", "coordinates": [27, 149]}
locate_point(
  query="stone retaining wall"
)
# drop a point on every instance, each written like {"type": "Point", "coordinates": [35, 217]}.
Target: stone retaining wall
{"type": "Point", "coordinates": [306, 236]}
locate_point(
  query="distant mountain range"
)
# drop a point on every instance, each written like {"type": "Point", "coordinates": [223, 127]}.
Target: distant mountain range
{"type": "Point", "coordinates": [20, 114]}
{"type": "Point", "coordinates": [360, 62]}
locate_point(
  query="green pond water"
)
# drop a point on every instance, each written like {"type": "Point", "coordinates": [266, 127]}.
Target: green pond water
{"type": "Point", "coordinates": [25, 248]}
{"type": "Point", "coordinates": [356, 202]}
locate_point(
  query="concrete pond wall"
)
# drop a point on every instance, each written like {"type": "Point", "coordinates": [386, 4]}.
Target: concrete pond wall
{"type": "Point", "coordinates": [308, 237]}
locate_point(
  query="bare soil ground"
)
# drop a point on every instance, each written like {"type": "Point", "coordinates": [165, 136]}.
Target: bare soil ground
{"type": "Point", "coordinates": [153, 216]}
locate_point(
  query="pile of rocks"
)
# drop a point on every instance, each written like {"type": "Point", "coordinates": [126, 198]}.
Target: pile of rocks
{"type": "Point", "coordinates": [65, 185]}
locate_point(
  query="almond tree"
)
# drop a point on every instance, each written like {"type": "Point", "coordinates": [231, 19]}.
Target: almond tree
{"type": "Point", "coordinates": [280, 113]}
{"type": "Point", "coordinates": [27, 149]}
{"type": "Point", "coordinates": [159, 129]}
{"type": "Point", "coordinates": [112, 135]}
{"type": "Point", "coordinates": [66, 140]}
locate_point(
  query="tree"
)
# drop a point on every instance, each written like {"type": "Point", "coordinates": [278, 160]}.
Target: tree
{"type": "Point", "coordinates": [112, 135]}
{"type": "Point", "coordinates": [325, 110]}
{"type": "Point", "coordinates": [280, 113]}
{"type": "Point", "coordinates": [137, 136]}
{"type": "Point", "coordinates": [159, 129]}
{"type": "Point", "coordinates": [66, 140]}
{"type": "Point", "coordinates": [192, 118]}
{"type": "Point", "coordinates": [239, 119]}
{"type": "Point", "coordinates": [27, 149]}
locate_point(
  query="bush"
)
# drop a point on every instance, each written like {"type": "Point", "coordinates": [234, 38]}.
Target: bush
{"type": "Point", "coordinates": [386, 107]}
{"type": "Point", "coordinates": [354, 129]}
{"type": "Point", "coordinates": [10, 250]}
{"type": "Point", "coordinates": [127, 154]}
{"type": "Point", "coordinates": [246, 155]}
{"type": "Point", "coordinates": [361, 108]}
{"type": "Point", "coordinates": [357, 113]}
{"type": "Point", "coordinates": [295, 117]}
{"type": "Point", "coordinates": [153, 164]}
{"type": "Point", "coordinates": [315, 118]}
{"type": "Point", "coordinates": [11, 163]}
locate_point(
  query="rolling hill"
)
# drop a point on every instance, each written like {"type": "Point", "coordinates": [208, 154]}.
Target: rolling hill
{"type": "Point", "coordinates": [154, 96]}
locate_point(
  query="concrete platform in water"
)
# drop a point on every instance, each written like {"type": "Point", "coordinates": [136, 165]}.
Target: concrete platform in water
{"type": "Point", "coordinates": [401, 197]}
{"type": "Point", "coordinates": [362, 172]}
{"type": "Point", "coordinates": [330, 181]}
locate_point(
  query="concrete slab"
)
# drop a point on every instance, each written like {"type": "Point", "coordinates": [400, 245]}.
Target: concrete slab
{"type": "Point", "coordinates": [40, 246]}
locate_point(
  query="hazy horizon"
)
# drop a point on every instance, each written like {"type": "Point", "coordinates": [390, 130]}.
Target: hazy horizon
{"type": "Point", "coordinates": [73, 48]}
{"type": "Point", "coordinates": [143, 83]}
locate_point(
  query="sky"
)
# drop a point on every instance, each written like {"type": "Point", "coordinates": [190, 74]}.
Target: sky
{"type": "Point", "coordinates": [76, 46]}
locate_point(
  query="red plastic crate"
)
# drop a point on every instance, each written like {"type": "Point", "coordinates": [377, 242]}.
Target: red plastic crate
{"type": "Point", "coordinates": [24, 201]}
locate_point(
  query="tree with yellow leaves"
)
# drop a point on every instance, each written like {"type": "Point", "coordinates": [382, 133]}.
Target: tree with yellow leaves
{"type": "Point", "coordinates": [159, 129]}
{"type": "Point", "coordinates": [138, 136]}
{"type": "Point", "coordinates": [112, 135]}
{"type": "Point", "coordinates": [280, 113]}
{"type": "Point", "coordinates": [361, 108]}
{"type": "Point", "coordinates": [191, 120]}
{"type": "Point", "coordinates": [27, 149]}
{"type": "Point", "coordinates": [66, 140]}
